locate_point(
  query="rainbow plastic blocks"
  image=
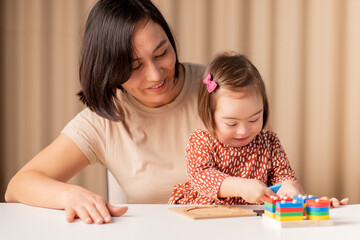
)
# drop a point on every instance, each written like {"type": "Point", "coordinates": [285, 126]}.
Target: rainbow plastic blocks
{"type": "Point", "coordinates": [270, 204]}
{"type": "Point", "coordinates": [283, 208]}
{"type": "Point", "coordinates": [303, 199]}
{"type": "Point", "coordinates": [289, 211]}
{"type": "Point", "coordinates": [317, 209]}
{"type": "Point", "coordinates": [298, 211]}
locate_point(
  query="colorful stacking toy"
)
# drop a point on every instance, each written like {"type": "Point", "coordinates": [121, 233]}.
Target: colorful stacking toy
{"type": "Point", "coordinates": [289, 211]}
{"type": "Point", "coordinates": [298, 211]}
{"type": "Point", "coordinates": [270, 204]}
{"type": "Point", "coordinates": [303, 199]}
{"type": "Point", "coordinates": [317, 209]}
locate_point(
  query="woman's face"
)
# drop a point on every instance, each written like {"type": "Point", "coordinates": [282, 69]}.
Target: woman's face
{"type": "Point", "coordinates": [152, 79]}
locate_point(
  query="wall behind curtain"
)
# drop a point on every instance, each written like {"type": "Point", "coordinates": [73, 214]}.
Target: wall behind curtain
{"type": "Point", "coordinates": [308, 52]}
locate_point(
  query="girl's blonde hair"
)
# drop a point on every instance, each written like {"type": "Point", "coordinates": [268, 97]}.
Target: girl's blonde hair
{"type": "Point", "coordinates": [230, 71]}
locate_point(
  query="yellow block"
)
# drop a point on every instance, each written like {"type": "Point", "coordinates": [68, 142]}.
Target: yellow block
{"type": "Point", "coordinates": [269, 214]}
{"type": "Point", "coordinates": [293, 218]}
{"type": "Point", "coordinates": [313, 217]}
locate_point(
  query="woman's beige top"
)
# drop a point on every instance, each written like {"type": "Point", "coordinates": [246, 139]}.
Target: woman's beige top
{"type": "Point", "coordinates": [146, 152]}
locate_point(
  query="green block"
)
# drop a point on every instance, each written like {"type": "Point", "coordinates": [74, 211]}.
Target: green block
{"type": "Point", "coordinates": [289, 214]}
{"type": "Point", "coordinates": [317, 213]}
{"type": "Point", "coordinates": [269, 205]}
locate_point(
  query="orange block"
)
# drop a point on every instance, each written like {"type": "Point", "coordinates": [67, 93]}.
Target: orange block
{"type": "Point", "coordinates": [318, 203]}
{"type": "Point", "coordinates": [289, 209]}
{"type": "Point", "coordinates": [274, 199]}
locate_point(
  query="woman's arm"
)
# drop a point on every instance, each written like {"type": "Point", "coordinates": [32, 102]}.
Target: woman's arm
{"type": "Point", "coordinates": [41, 182]}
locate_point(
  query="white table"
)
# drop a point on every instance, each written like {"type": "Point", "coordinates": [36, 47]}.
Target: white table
{"type": "Point", "coordinates": [18, 221]}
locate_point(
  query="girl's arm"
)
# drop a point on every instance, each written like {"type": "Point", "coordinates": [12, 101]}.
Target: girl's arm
{"type": "Point", "coordinates": [213, 183]}
{"type": "Point", "coordinates": [290, 188]}
{"type": "Point", "coordinates": [251, 190]}
{"type": "Point", "coordinates": [200, 165]}
{"type": "Point", "coordinates": [41, 182]}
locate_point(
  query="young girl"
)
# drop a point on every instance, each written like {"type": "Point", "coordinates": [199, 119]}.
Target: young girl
{"type": "Point", "coordinates": [236, 159]}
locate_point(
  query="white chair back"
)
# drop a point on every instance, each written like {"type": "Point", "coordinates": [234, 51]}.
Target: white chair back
{"type": "Point", "coordinates": [115, 194]}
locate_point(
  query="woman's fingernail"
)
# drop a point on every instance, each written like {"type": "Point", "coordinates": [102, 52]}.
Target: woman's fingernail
{"type": "Point", "coordinates": [107, 219]}
{"type": "Point", "coordinates": [88, 220]}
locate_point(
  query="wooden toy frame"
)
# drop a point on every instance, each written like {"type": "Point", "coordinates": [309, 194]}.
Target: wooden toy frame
{"type": "Point", "coordinates": [292, 224]}
{"type": "Point", "coordinates": [212, 211]}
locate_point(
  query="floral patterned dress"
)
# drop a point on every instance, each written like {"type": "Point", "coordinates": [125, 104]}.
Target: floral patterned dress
{"type": "Point", "coordinates": [210, 161]}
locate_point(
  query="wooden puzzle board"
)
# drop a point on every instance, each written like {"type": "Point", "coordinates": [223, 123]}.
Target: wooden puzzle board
{"type": "Point", "coordinates": [212, 211]}
{"type": "Point", "coordinates": [292, 224]}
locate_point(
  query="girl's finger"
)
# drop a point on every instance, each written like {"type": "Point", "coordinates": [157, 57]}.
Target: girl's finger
{"type": "Point", "coordinates": [325, 198]}
{"type": "Point", "coordinates": [269, 192]}
{"type": "Point", "coordinates": [344, 201]}
{"type": "Point", "coordinates": [334, 202]}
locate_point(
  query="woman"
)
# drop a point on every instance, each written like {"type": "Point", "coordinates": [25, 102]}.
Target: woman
{"type": "Point", "coordinates": [141, 109]}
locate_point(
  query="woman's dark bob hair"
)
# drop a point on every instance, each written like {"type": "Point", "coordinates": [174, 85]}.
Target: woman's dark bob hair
{"type": "Point", "coordinates": [106, 55]}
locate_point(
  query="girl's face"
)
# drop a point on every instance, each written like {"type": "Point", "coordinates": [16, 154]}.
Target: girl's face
{"type": "Point", "coordinates": [152, 79]}
{"type": "Point", "coordinates": [238, 116]}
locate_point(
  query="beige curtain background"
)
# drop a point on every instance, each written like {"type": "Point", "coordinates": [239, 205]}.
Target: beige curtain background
{"type": "Point", "coordinates": [308, 52]}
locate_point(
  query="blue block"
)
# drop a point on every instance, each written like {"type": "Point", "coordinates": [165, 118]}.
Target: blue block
{"type": "Point", "coordinates": [317, 209]}
{"type": "Point", "coordinates": [303, 200]}
{"type": "Point", "coordinates": [269, 209]}
{"type": "Point", "coordinates": [289, 204]}
{"type": "Point", "coordinates": [275, 187]}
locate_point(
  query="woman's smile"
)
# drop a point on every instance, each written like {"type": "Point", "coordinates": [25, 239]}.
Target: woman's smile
{"type": "Point", "coordinates": [152, 80]}
{"type": "Point", "coordinates": [158, 87]}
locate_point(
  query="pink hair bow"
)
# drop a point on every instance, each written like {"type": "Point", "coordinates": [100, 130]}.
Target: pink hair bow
{"type": "Point", "coordinates": [210, 85]}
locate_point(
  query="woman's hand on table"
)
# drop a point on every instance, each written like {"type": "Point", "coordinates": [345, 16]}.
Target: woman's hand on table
{"type": "Point", "coordinates": [89, 207]}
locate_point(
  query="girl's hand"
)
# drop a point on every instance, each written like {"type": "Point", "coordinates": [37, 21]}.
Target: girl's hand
{"type": "Point", "coordinates": [89, 207]}
{"type": "Point", "coordinates": [290, 188]}
{"type": "Point", "coordinates": [334, 202]}
{"type": "Point", "coordinates": [254, 191]}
